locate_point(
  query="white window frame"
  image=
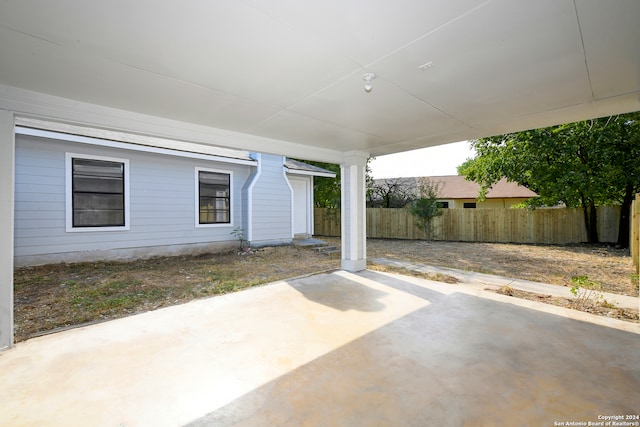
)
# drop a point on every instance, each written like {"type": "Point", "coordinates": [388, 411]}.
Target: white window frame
{"type": "Point", "coordinates": [197, 198]}
{"type": "Point", "coordinates": [69, 193]}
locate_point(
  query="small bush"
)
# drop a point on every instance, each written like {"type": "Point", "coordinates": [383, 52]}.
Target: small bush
{"type": "Point", "coordinates": [586, 292]}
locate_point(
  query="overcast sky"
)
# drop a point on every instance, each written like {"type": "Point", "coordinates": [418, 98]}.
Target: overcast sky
{"type": "Point", "coordinates": [433, 161]}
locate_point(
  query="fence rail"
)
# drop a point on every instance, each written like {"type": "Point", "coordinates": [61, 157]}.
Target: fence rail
{"type": "Point", "coordinates": [541, 226]}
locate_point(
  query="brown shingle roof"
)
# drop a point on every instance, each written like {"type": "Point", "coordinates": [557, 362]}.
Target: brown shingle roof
{"type": "Point", "coordinates": [457, 187]}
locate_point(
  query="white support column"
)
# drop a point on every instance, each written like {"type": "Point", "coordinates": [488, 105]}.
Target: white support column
{"type": "Point", "coordinates": [354, 239]}
{"type": "Point", "coordinates": [7, 150]}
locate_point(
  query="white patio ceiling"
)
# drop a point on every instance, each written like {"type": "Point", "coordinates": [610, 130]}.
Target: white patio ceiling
{"type": "Point", "coordinates": [292, 70]}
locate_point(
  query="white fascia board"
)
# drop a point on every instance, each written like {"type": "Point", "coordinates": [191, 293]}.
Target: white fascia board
{"type": "Point", "coordinates": [30, 104]}
{"type": "Point", "coordinates": [310, 173]}
{"type": "Point", "coordinates": [113, 135]}
{"type": "Point", "coordinates": [128, 146]}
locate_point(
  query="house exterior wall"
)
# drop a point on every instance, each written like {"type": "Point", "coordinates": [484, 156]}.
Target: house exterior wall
{"type": "Point", "coordinates": [489, 203]}
{"type": "Point", "coordinates": [16, 102]}
{"type": "Point", "coordinates": [162, 206]}
{"type": "Point", "coordinates": [269, 203]}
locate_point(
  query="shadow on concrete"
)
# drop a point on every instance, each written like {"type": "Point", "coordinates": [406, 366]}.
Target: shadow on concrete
{"type": "Point", "coordinates": [462, 360]}
{"type": "Point", "coordinates": [343, 293]}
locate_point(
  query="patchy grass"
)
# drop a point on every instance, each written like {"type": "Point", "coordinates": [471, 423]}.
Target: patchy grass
{"type": "Point", "coordinates": [53, 297]}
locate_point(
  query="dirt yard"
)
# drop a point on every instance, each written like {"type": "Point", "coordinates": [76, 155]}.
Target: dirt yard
{"type": "Point", "coordinates": [610, 267]}
{"type": "Point", "coordinates": [48, 298]}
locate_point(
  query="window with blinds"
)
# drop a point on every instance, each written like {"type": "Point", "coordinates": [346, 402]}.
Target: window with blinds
{"type": "Point", "coordinates": [98, 188]}
{"type": "Point", "coordinates": [214, 197]}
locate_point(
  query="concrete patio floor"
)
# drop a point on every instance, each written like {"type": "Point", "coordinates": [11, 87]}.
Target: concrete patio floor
{"type": "Point", "coordinates": [343, 349]}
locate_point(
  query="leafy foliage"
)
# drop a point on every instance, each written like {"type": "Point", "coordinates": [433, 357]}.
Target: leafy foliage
{"type": "Point", "coordinates": [426, 207]}
{"type": "Point", "coordinates": [586, 292]}
{"type": "Point", "coordinates": [326, 191]}
{"type": "Point", "coordinates": [583, 164]}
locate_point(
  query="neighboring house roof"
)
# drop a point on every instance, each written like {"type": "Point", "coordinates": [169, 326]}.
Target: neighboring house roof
{"type": "Point", "coordinates": [457, 187]}
{"type": "Point", "coordinates": [295, 166]}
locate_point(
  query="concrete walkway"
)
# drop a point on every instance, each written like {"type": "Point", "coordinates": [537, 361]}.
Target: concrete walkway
{"type": "Point", "coordinates": [483, 281]}
{"type": "Point", "coordinates": [335, 349]}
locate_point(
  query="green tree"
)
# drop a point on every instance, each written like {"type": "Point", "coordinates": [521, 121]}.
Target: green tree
{"type": "Point", "coordinates": [426, 206]}
{"type": "Point", "coordinates": [623, 167]}
{"type": "Point", "coordinates": [583, 164]}
{"type": "Point", "coordinates": [326, 191]}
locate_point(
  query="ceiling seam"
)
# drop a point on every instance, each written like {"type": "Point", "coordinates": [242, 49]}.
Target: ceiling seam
{"type": "Point", "coordinates": [369, 66]}
{"type": "Point", "coordinates": [329, 46]}
{"type": "Point", "coordinates": [278, 109]}
{"type": "Point", "coordinates": [404, 46]}
{"type": "Point", "coordinates": [188, 82]}
{"type": "Point", "coordinates": [33, 36]}
{"type": "Point", "coordinates": [428, 33]}
{"type": "Point", "coordinates": [429, 104]}
{"type": "Point", "coordinates": [321, 121]}
{"type": "Point", "coordinates": [584, 50]}
{"type": "Point", "coordinates": [86, 52]}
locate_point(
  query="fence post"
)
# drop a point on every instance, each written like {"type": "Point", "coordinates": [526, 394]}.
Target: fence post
{"type": "Point", "coordinates": [634, 241]}
{"type": "Point", "coordinates": [635, 238]}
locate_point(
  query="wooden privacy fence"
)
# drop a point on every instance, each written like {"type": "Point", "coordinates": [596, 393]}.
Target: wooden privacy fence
{"type": "Point", "coordinates": [634, 239]}
{"type": "Point", "coordinates": [542, 226]}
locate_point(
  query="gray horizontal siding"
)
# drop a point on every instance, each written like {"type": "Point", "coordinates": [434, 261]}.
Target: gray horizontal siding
{"type": "Point", "coordinates": [38, 227]}
{"type": "Point", "coordinates": [33, 211]}
{"type": "Point", "coordinates": [162, 200]}
{"type": "Point", "coordinates": [26, 191]}
{"type": "Point", "coordinates": [271, 210]}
